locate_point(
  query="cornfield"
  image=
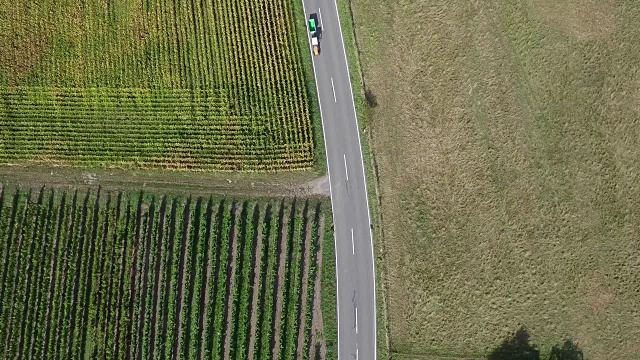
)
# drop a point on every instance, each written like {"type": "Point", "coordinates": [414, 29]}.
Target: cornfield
{"type": "Point", "coordinates": [111, 276]}
{"type": "Point", "coordinates": [213, 85]}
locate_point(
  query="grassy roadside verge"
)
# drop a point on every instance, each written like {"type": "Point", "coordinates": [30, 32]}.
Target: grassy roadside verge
{"type": "Point", "coordinates": [329, 286]}
{"type": "Point", "coordinates": [362, 111]}
{"type": "Point", "coordinates": [299, 18]}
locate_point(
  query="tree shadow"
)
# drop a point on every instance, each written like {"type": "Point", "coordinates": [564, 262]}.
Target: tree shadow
{"type": "Point", "coordinates": [568, 351]}
{"type": "Point", "coordinates": [516, 347]}
{"type": "Point", "coordinates": [370, 98]}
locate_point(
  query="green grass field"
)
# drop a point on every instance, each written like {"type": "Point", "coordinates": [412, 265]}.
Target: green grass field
{"type": "Point", "coordinates": [115, 275]}
{"type": "Point", "coordinates": [183, 85]}
{"type": "Point", "coordinates": [507, 137]}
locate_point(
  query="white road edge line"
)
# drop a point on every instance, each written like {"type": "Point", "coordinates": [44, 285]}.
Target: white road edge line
{"type": "Point", "coordinates": [353, 247]}
{"type": "Point", "coordinates": [320, 18]}
{"type": "Point", "coordinates": [375, 316]}
{"type": "Point", "coordinates": [356, 319]}
{"type": "Point", "coordinates": [326, 154]}
{"type": "Point", "coordinates": [346, 170]}
{"type": "Point", "coordinates": [333, 89]}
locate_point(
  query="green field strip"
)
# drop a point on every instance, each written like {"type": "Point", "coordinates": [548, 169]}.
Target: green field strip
{"type": "Point", "coordinates": [173, 247]}
{"type": "Point", "coordinates": [11, 216]}
{"type": "Point", "coordinates": [175, 309]}
{"type": "Point", "coordinates": [31, 338]}
{"type": "Point", "coordinates": [315, 244]}
{"type": "Point", "coordinates": [114, 349]}
{"type": "Point", "coordinates": [33, 265]}
{"type": "Point", "coordinates": [153, 284]}
{"type": "Point", "coordinates": [88, 277]}
{"type": "Point", "coordinates": [290, 335]}
{"type": "Point", "coordinates": [79, 285]}
{"type": "Point", "coordinates": [202, 288]}
{"type": "Point", "coordinates": [53, 280]}
{"type": "Point", "coordinates": [67, 236]}
{"type": "Point", "coordinates": [264, 272]}
{"type": "Point", "coordinates": [14, 287]}
{"type": "Point", "coordinates": [95, 341]}
{"type": "Point", "coordinates": [218, 257]}
{"type": "Point", "coordinates": [244, 281]}
{"type": "Point", "coordinates": [114, 238]}
{"type": "Point", "coordinates": [148, 273]}
{"type": "Point", "coordinates": [191, 278]}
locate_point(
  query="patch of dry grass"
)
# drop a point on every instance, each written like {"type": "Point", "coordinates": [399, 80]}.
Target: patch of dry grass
{"type": "Point", "coordinates": [507, 135]}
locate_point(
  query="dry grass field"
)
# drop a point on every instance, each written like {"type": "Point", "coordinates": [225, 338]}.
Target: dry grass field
{"type": "Point", "coordinates": [507, 136]}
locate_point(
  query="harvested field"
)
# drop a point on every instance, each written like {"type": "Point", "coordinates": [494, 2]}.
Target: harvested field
{"type": "Point", "coordinates": [105, 275]}
{"type": "Point", "coordinates": [183, 85]}
{"type": "Point", "coordinates": [507, 142]}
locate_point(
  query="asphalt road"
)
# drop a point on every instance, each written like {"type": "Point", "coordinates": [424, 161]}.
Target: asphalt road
{"type": "Point", "coordinates": [353, 238]}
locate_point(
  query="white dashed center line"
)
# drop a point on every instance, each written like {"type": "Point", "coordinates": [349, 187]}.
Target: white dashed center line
{"type": "Point", "coordinates": [356, 320]}
{"type": "Point", "coordinates": [346, 171]}
{"type": "Point", "coordinates": [353, 247]}
{"type": "Point", "coordinates": [333, 89]}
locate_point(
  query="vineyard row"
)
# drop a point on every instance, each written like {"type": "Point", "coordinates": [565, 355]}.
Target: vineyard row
{"type": "Point", "coordinates": [114, 275]}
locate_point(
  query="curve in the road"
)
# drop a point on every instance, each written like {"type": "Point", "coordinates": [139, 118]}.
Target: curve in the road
{"type": "Point", "coordinates": [355, 270]}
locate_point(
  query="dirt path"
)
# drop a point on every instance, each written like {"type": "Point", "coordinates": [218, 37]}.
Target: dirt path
{"type": "Point", "coordinates": [231, 270]}
{"type": "Point", "coordinates": [285, 184]}
{"type": "Point", "coordinates": [317, 347]}
{"type": "Point", "coordinates": [177, 330]}
{"type": "Point", "coordinates": [257, 275]}
{"type": "Point", "coordinates": [302, 305]}
{"type": "Point", "coordinates": [282, 259]}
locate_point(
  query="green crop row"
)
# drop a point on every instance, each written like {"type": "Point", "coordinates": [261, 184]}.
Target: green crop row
{"type": "Point", "coordinates": [102, 275]}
